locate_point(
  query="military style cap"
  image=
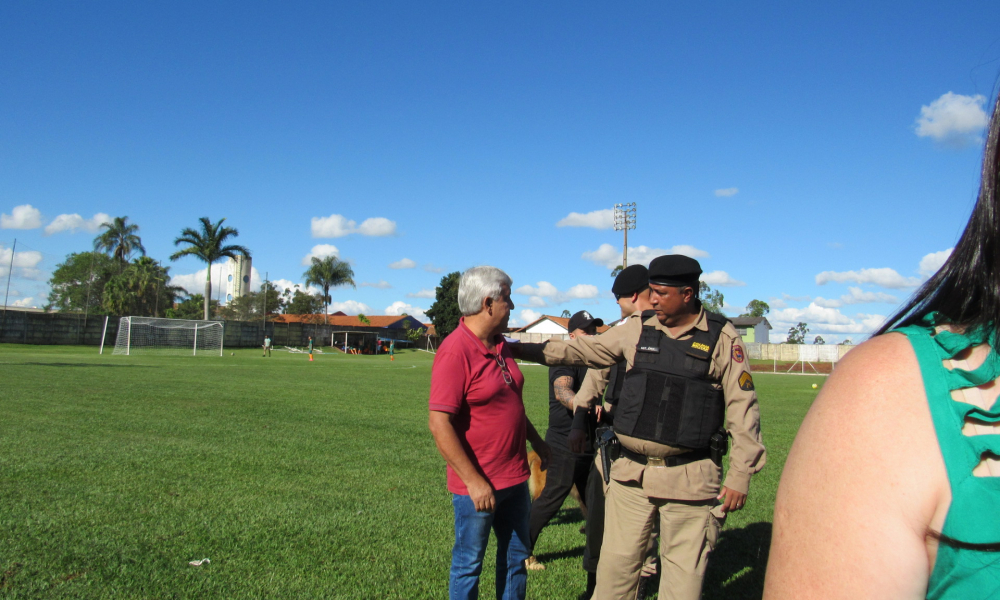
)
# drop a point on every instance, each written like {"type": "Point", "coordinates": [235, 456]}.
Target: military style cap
{"type": "Point", "coordinates": [630, 280]}
{"type": "Point", "coordinates": [583, 320]}
{"type": "Point", "coordinates": [674, 270]}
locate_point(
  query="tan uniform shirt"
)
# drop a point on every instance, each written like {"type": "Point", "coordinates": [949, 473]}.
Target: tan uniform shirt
{"type": "Point", "coordinates": [596, 381]}
{"type": "Point", "coordinates": [698, 480]}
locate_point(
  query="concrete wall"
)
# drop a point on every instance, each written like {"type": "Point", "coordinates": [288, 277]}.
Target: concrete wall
{"type": "Point", "coordinates": [536, 338]}
{"type": "Point", "coordinates": [20, 327]}
{"type": "Point", "coordinates": [797, 352]}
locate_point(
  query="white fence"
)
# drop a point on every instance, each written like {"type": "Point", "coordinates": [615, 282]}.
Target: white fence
{"type": "Point", "coordinates": [536, 338]}
{"type": "Point", "coordinates": [830, 353]}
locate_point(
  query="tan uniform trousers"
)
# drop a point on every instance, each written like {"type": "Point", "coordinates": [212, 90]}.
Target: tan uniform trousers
{"type": "Point", "coordinates": [649, 562]}
{"type": "Point", "coordinates": [688, 533]}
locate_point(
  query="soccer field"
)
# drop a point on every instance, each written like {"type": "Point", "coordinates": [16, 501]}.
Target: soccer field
{"type": "Point", "coordinates": [296, 479]}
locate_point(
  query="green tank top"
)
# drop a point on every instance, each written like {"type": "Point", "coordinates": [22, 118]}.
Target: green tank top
{"type": "Point", "coordinates": [961, 572]}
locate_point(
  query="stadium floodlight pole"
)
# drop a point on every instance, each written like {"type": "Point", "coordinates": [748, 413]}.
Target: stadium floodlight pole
{"type": "Point", "coordinates": [625, 220]}
{"type": "Point", "coordinates": [10, 271]}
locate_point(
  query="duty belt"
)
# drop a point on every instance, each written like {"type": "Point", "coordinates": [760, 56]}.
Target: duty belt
{"type": "Point", "coordinates": [670, 461]}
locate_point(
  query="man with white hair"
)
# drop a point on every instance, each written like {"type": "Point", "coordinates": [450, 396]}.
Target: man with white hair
{"type": "Point", "coordinates": [479, 425]}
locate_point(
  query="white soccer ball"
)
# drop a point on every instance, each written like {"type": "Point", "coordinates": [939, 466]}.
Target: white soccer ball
{"type": "Point", "coordinates": [232, 354]}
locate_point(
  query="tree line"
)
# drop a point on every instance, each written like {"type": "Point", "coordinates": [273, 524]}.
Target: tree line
{"type": "Point", "coordinates": [108, 281]}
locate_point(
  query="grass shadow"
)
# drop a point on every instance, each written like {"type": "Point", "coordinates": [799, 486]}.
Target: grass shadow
{"type": "Point", "coordinates": [40, 364]}
{"type": "Point", "coordinates": [736, 568]}
{"type": "Point", "coordinates": [571, 553]}
{"type": "Point", "coordinates": [567, 515]}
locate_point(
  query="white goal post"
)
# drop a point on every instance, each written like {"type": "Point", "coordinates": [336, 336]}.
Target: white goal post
{"type": "Point", "coordinates": [149, 335]}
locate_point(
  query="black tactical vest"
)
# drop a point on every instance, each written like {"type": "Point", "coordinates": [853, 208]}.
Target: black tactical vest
{"type": "Point", "coordinates": [668, 397]}
{"type": "Point", "coordinates": [616, 379]}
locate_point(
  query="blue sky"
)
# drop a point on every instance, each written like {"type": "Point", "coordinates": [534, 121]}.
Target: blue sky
{"type": "Point", "coordinates": [822, 158]}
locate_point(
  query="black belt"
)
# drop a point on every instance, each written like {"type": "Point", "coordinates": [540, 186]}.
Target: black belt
{"type": "Point", "coordinates": [670, 461]}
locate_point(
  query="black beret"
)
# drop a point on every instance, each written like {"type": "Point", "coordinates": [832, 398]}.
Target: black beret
{"type": "Point", "coordinates": [674, 270]}
{"type": "Point", "coordinates": [630, 280]}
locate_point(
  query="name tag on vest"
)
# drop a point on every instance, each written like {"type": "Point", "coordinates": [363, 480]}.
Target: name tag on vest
{"type": "Point", "coordinates": [650, 349]}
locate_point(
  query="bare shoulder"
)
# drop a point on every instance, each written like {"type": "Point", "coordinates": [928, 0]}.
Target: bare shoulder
{"type": "Point", "coordinates": [863, 482]}
{"type": "Point", "coordinates": [869, 377]}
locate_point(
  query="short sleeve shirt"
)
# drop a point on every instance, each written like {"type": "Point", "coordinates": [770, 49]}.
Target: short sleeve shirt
{"type": "Point", "coordinates": [467, 381]}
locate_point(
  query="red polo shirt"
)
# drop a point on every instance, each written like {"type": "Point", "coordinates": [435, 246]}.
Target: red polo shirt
{"type": "Point", "coordinates": [466, 381]}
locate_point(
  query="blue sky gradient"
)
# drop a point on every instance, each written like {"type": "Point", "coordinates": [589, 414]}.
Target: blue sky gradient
{"type": "Point", "coordinates": [781, 145]}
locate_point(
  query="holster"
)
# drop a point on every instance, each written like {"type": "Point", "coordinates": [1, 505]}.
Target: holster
{"type": "Point", "coordinates": [718, 445]}
{"type": "Point", "coordinates": [610, 447]}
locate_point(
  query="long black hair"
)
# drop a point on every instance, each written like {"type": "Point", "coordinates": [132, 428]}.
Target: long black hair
{"type": "Point", "coordinates": [966, 290]}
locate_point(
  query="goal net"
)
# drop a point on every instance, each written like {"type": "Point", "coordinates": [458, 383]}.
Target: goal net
{"type": "Point", "coordinates": [148, 335]}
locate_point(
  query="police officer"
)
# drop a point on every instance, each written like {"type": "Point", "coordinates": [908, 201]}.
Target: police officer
{"type": "Point", "coordinates": [687, 389]}
{"type": "Point", "coordinates": [566, 468]}
{"type": "Point", "coordinates": [631, 291]}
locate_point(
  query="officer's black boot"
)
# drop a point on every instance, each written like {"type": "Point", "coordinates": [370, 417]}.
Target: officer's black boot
{"type": "Point", "coordinates": [640, 592]}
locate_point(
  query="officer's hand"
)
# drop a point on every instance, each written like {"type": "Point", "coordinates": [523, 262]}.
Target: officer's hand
{"type": "Point", "coordinates": [577, 441]}
{"type": "Point", "coordinates": [599, 412]}
{"type": "Point", "coordinates": [481, 493]}
{"type": "Point", "coordinates": [544, 453]}
{"type": "Point", "coordinates": [731, 499]}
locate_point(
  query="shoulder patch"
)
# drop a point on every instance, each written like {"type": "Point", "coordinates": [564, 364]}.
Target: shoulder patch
{"type": "Point", "coordinates": [737, 353]}
{"type": "Point", "coordinates": [746, 382]}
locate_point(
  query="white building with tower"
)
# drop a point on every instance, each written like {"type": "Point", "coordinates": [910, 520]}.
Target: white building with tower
{"type": "Point", "coordinates": [238, 282]}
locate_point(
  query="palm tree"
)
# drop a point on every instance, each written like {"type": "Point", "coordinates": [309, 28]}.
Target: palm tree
{"type": "Point", "coordinates": [328, 272]}
{"type": "Point", "coordinates": [207, 245]}
{"type": "Point", "coordinates": [120, 239]}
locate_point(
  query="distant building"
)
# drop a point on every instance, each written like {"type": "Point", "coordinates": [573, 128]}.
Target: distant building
{"type": "Point", "coordinates": [546, 327]}
{"type": "Point", "coordinates": [753, 330]}
{"type": "Point", "coordinates": [238, 282]}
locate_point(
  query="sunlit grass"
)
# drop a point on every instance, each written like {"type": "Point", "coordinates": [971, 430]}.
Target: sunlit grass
{"type": "Point", "coordinates": [296, 479]}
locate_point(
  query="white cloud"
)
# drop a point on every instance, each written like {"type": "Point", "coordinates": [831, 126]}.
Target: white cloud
{"type": "Point", "coordinates": [525, 317]}
{"type": "Point", "coordinates": [953, 119]}
{"type": "Point", "coordinates": [424, 293]}
{"type": "Point", "coordinates": [194, 283]}
{"type": "Point", "coordinates": [377, 227]}
{"type": "Point", "coordinates": [24, 216]}
{"type": "Point", "coordinates": [351, 307]}
{"type": "Point", "coordinates": [432, 269]}
{"type": "Point", "coordinates": [286, 284]}
{"type": "Point", "coordinates": [381, 285]}
{"type": "Point", "coordinates": [336, 226]}
{"type": "Point", "coordinates": [404, 263]}
{"type": "Point", "coordinates": [598, 219]}
{"type": "Point", "coordinates": [545, 293]}
{"type": "Point", "coordinates": [726, 192]}
{"type": "Point", "coordinates": [822, 321]}
{"type": "Point", "coordinates": [610, 257]}
{"type": "Point", "coordinates": [320, 251]}
{"type": "Point", "coordinates": [721, 279]}
{"type": "Point", "coordinates": [25, 264]}
{"type": "Point", "coordinates": [857, 296]}
{"type": "Point", "coordinates": [399, 307]}
{"type": "Point", "coordinates": [931, 263]}
{"type": "Point", "coordinates": [884, 277]}
{"type": "Point", "coordinates": [24, 303]}
{"type": "Point", "coordinates": [73, 222]}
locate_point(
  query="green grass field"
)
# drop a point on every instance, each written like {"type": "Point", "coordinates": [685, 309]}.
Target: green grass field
{"type": "Point", "coordinates": [297, 480]}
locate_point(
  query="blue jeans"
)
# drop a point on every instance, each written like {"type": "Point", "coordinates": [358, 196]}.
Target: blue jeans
{"type": "Point", "coordinates": [509, 521]}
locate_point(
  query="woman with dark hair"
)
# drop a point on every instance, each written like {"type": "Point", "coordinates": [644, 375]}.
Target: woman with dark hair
{"type": "Point", "coordinates": [891, 486]}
